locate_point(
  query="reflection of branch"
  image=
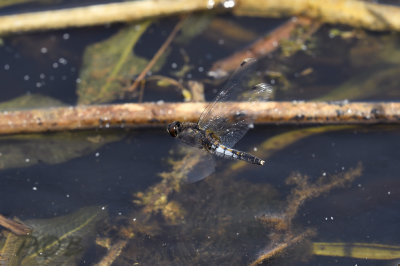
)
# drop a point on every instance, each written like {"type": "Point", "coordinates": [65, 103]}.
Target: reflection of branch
{"type": "Point", "coordinates": [113, 253]}
{"type": "Point", "coordinates": [154, 114]}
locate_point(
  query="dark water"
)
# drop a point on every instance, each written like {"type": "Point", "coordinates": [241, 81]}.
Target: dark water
{"type": "Point", "coordinates": [56, 174]}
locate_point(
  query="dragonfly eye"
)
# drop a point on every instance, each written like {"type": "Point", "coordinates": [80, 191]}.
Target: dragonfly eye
{"type": "Point", "coordinates": [173, 128]}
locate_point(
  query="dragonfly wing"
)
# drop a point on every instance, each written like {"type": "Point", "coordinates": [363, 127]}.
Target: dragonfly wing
{"type": "Point", "coordinates": [239, 88]}
{"type": "Point", "coordinates": [204, 167]}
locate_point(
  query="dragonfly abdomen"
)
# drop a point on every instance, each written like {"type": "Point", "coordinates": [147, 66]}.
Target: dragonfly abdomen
{"type": "Point", "coordinates": [228, 153]}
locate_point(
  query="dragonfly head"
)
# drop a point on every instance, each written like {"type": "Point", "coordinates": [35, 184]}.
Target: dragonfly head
{"type": "Point", "coordinates": [174, 128]}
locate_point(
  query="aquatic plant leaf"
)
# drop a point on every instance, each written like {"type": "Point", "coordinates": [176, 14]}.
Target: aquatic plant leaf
{"type": "Point", "coordinates": [29, 101]}
{"type": "Point", "coordinates": [110, 63]}
{"type": "Point", "coordinates": [28, 150]}
{"type": "Point", "coordinates": [193, 26]}
{"type": "Point", "coordinates": [56, 241]}
{"type": "Point", "coordinates": [10, 249]}
{"type": "Point", "coordinates": [369, 84]}
{"type": "Point", "coordinates": [371, 251]}
{"type": "Point", "coordinates": [61, 240]}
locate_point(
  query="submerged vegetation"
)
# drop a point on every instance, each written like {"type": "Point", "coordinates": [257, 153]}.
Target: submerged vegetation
{"type": "Point", "coordinates": [143, 211]}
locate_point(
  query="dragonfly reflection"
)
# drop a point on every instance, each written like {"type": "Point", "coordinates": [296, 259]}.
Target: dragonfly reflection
{"type": "Point", "coordinates": [215, 132]}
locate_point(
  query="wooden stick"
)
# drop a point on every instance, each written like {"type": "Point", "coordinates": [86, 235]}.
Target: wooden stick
{"type": "Point", "coordinates": [355, 13]}
{"type": "Point", "coordinates": [155, 114]}
{"type": "Point", "coordinates": [261, 47]}
{"type": "Point", "coordinates": [98, 14]}
{"type": "Point", "coordinates": [17, 228]}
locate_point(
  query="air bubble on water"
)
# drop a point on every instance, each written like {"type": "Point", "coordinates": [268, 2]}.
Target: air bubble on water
{"type": "Point", "coordinates": [43, 50]}
{"type": "Point", "coordinates": [42, 76]}
{"type": "Point", "coordinates": [174, 65]}
{"type": "Point", "coordinates": [6, 67]}
{"type": "Point", "coordinates": [55, 65]}
{"type": "Point", "coordinates": [66, 36]}
{"type": "Point", "coordinates": [26, 77]}
{"type": "Point", "coordinates": [97, 154]}
{"type": "Point", "coordinates": [255, 149]}
{"type": "Point", "coordinates": [201, 69]}
{"type": "Point", "coordinates": [34, 188]}
{"type": "Point", "coordinates": [229, 4]}
{"type": "Point", "coordinates": [27, 160]}
{"type": "Point", "coordinates": [62, 60]}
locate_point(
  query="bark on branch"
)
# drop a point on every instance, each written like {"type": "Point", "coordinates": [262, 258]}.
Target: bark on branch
{"type": "Point", "coordinates": [355, 13]}
{"type": "Point", "coordinates": [154, 114]}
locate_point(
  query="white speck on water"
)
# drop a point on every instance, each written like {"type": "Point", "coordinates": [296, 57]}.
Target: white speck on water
{"type": "Point", "coordinates": [103, 208]}
{"type": "Point", "coordinates": [62, 60]}
{"type": "Point", "coordinates": [359, 185]}
{"type": "Point", "coordinates": [134, 219]}
{"type": "Point", "coordinates": [43, 50]}
{"type": "Point", "coordinates": [388, 193]}
{"type": "Point", "coordinates": [63, 77]}
{"type": "Point", "coordinates": [312, 155]}
{"type": "Point", "coordinates": [160, 102]}
{"type": "Point", "coordinates": [229, 4]}
{"type": "Point", "coordinates": [78, 80]}
{"type": "Point", "coordinates": [304, 47]}
{"type": "Point", "coordinates": [210, 4]}
{"type": "Point", "coordinates": [174, 65]}
{"type": "Point", "coordinates": [107, 125]}
{"type": "Point", "coordinates": [221, 41]}
{"type": "Point", "coordinates": [119, 213]}
{"type": "Point", "coordinates": [55, 65]}
{"type": "Point", "coordinates": [343, 168]}
{"type": "Point", "coordinates": [66, 36]}
{"type": "Point", "coordinates": [201, 69]}
{"type": "Point", "coordinates": [324, 174]}
{"type": "Point", "coordinates": [42, 76]}
{"type": "Point", "coordinates": [34, 188]}
{"type": "Point", "coordinates": [6, 67]}
{"type": "Point", "coordinates": [255, 149]}
{"type": "Point", "coordinates": [97, 154]}
{"type": "Point", "coordinates": [67, 195]}
{"type": "Point", "coordinates": [272, 81]}
{"type": "Point", "coordinates": [251, 125]}
{"type": "Point", "coordinates": [39, 84]}
{"type": "Point", "coordinates": [332, 218]}
{"type": "Point", "coordinates": [326, 218]}
{"type": "Point", "coordinates": [189, 76]}
{"type": "Point", "coordinates": [27, 160]}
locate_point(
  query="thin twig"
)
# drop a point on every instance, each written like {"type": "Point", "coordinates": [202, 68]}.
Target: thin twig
{"type": "Point", "coordinates": [155, 114]}
{"type": "Point", "coordinates": [15, 227]}
{"type": "Point", "coordinates": [157, 55]}
{"type": "Point", "coordinates": [262, 46]}
{"type": "Point", "coordinates": [113, 253]}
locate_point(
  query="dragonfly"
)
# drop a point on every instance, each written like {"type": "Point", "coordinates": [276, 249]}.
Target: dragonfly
{"type": "Point", "coordinates": [215, 132]}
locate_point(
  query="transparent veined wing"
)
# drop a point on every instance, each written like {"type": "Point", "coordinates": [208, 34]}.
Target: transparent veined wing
{"type": "Point", "coordinates": [239, 88]}
{"type": "Point", "coordinates": [195, 164]}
